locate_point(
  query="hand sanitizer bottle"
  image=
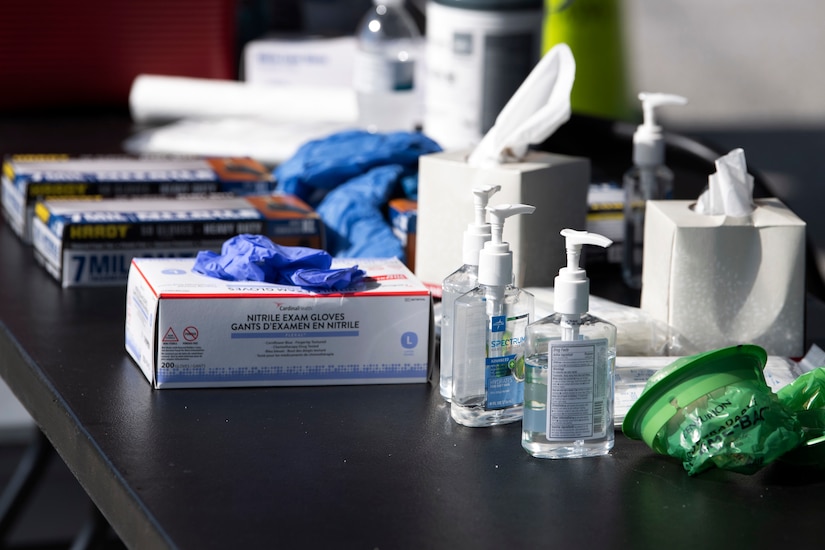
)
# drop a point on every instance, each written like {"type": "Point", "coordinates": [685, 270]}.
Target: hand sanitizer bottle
{"type": "Point", "coordinates": [569, 361]}
{"type": "Point", "coordinates": [462, 280]}
{"type": "Point", "coordinates": [488, 354]}
{"type": "Point", "coordinates": [649, 179]}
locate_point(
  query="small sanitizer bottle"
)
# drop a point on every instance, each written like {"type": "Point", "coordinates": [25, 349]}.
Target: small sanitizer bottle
{"type": "Point", "coordinates": [488, 343]}
{"type": "Point", "coordinates": [648, 179]}
{"type": "Point", "coordinates": [569, 361]}
{"type": "Point", "coordinates": [462, 280]}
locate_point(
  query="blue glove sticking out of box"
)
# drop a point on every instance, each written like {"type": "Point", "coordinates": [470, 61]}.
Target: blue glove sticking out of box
{"type": "Point", "coordinates": [256, 258]}
{"type": "Point", "coordinates": [349, 177]}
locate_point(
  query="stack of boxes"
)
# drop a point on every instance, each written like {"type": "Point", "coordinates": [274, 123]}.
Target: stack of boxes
{"type": "Point", "coordinates": [138, 222]}
{"type": "Point", "coordinates": [87, 217]}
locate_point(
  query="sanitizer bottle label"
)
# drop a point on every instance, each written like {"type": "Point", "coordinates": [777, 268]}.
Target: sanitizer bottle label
{"type": "Point", "coordinates": [577, 389]}
{"type": "Point", "coordinates": [504, 366]}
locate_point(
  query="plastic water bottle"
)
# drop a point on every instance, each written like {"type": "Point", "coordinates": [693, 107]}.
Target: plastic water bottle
{"type": "Point", "coordinates": [385, 68]}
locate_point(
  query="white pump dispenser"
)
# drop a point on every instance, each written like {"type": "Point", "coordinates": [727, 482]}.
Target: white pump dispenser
{"type": "Point", "coordinates": [648, 179]}
{"type": "Point", "coordinates": [462, 280]}
{"type": "Point", "coordinates": [495, 261]}
{"type": "Point", "coordinates": [488, 355]}
{"type": "Point", "coordinates": [569, 361]}
{"type": "Point", "coordinates": [478, 232]}
{"type": "Point", "coordinates": [648, 142]}
{"type": "Point", "coordinates": [571, 294]}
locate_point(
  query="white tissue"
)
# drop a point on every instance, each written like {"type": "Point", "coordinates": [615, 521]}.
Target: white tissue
{"type": "Point", "coordinates": [538, 107]}
{"type": "Point", "coordinates": [158, 97]}
{"type": "Point", "coordinates": [730, 189]}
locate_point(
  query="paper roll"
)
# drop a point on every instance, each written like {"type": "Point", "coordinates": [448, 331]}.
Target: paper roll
{"type": "Point", "coordinates": [164, 98]}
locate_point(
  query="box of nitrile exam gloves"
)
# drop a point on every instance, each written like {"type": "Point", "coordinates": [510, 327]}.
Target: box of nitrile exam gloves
{"type": "Point", "coordinates": [184, 329]}
{"type": "Point", "coordinates": [29, 178]}
{"type": "Point", "coordinates": [92, 242]}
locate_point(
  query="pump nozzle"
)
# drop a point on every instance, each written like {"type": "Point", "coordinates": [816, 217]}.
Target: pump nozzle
{"type": "Point", "coordinates": [500, 213]}
{"type": "Point", "coordinates": [481, 196]}
{"type": "Point", "coordinates": [648, 144]}
{"type": "Point", "coordinates": [652, 100]}
{"type": "Point", "coordinates": [478, 231]}
{"type": "Point", "coordinates": [572, 287]}
{"type": "Point", "coordinates": [573, 241]}
{"type": "Point", "coordinates": [495, 262]}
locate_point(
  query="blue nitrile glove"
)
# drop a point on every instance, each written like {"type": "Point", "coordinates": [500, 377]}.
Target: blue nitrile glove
{"type": "Point", "coordinates": [323, 164]}
{"type": "Point", "coordinates": [352, 216]}
{"type": "Point", "coordinates": [256, 258]}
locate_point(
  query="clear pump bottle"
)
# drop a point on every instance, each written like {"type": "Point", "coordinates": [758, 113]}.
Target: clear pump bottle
{"type": "Point", "coordinates": [389, 43]}
{"type": "Point", "coordinates": [488, 354]}
{"type": "Point", "coordinates": [462, 280]}
{"type": "Point", "coordinates": [569, 361]}
{"type": "Point", "coordinates": [648, 179]}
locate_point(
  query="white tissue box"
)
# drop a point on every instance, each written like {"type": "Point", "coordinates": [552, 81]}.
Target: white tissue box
{"type": "Point", "coordinates": [721, 281]}
{"type": "Point", "coordinates": [186, 330]}
{"type": "Point", "coordinates": [557, 185]}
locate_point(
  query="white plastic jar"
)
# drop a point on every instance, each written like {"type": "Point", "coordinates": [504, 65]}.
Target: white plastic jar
{"type": "Point", "coordinates": [478, 52]}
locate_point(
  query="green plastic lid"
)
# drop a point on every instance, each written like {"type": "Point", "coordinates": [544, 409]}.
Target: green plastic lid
{"type": "Point", "coordinates": [686, 380]}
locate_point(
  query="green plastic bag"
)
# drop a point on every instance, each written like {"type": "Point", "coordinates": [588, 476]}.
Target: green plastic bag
{"type": "Point", "coordinates": [740, 427]}
{"type": "Point", "coordinates": [715, 409]}
{"type": "Point", "coordinates": [805, 393]}
{"type": "Point", "coordinates": [805, 396]}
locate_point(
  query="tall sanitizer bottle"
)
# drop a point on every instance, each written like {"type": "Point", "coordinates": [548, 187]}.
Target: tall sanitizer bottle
{"type": "Point", "coordinates": [569, 361]}
{"type": "Point", "coordinates": [648, 179]}
{"type": "Point", "coordinates": [462, 280]}
{"type": "Point", "coordinates": [488, 351]}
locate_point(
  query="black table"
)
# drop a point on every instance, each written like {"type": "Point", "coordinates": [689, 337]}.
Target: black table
{"type": "Point", "coordinates": [343, 467]}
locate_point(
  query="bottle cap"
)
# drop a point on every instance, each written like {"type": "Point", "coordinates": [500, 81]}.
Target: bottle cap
{"type": "Point", "coordinates": [478, 232]}
{"type": "Point", "coordinates": [571, 288]}
{"type": "Point", "coordinates": [495, 261]}
{"type": "Point", "coordinates": [648, 143]}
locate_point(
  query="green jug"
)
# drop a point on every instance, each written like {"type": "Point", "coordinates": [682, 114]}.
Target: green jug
{"type": "Point", "coordinates": [593, 30]}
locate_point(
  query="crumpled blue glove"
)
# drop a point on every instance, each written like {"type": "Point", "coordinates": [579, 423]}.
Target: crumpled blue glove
{"type": "Point", "coordinates": [349, 177]}
{"type": "Point", "coordinates": [354, 223]}
{"type": "Point", "coordinates": [256, 258]}
{"type": "Point", "coordinates": [323, 164]}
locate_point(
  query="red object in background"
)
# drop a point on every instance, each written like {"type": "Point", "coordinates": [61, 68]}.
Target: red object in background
{"type": "Point", "coordinates": [57, 53]}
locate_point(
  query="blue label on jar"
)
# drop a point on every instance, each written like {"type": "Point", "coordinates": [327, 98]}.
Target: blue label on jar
{"type": "Point", "coordinates": [503, 389]}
